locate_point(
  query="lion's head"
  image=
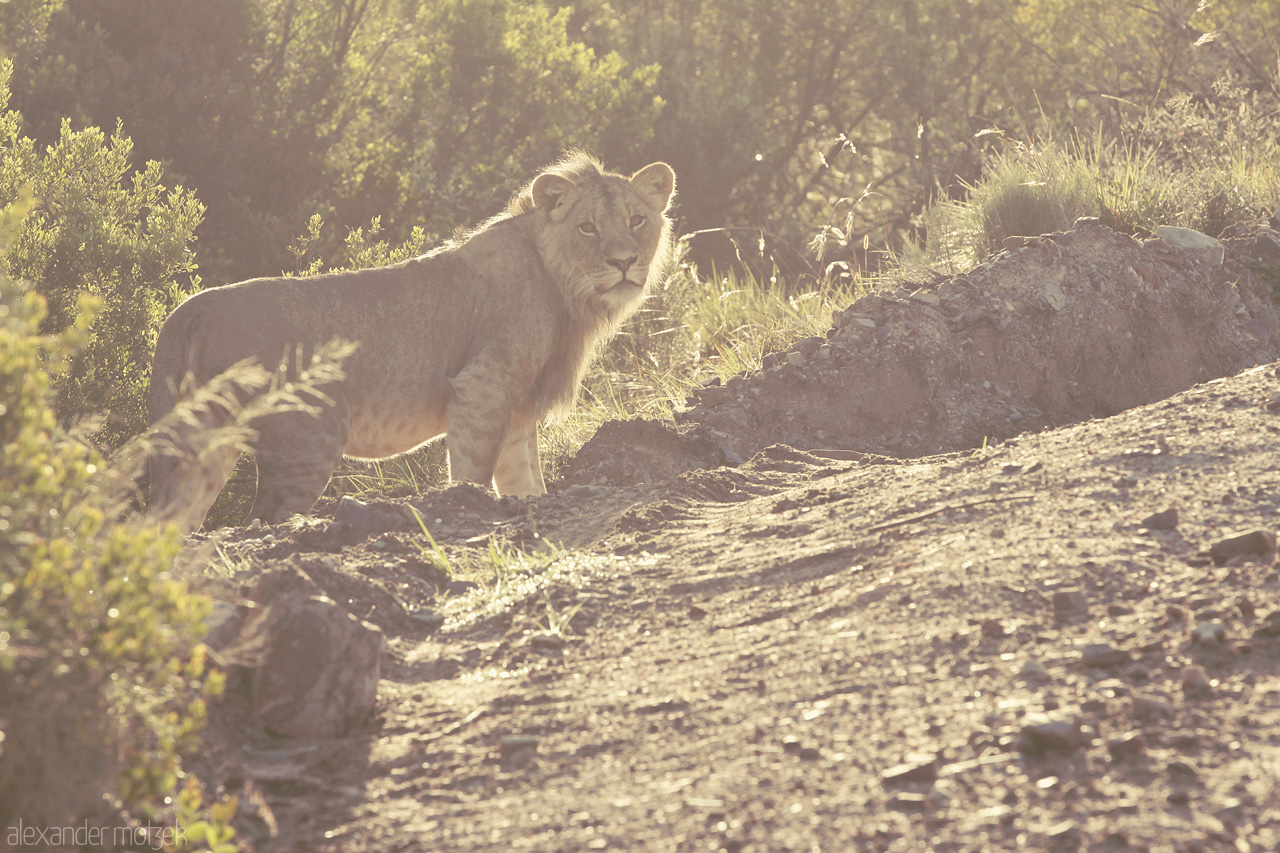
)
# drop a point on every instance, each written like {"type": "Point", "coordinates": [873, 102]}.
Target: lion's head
{"type": "Point", "coordinates": [605, 236]}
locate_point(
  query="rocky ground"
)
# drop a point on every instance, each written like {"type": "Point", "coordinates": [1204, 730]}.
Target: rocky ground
{"type": "Point", "coordinates": [991, 566]}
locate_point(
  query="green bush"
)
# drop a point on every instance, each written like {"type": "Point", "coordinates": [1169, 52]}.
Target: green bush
{"type": "Point", "coordinates": [102, 678]}
{"type": "Point", "coordinates": [97, 227]}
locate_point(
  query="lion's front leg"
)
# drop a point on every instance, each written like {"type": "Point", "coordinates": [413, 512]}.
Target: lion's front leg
{"type": "Point", "coordinates": [480, 414]}
{"type": "Point", "coordinates": [519, 470]}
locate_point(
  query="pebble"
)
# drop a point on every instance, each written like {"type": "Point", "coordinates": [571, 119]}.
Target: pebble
{"type": "Point", "coordinates": [1152, 706]}
{"type": "Point", "coordinates": [1210, 633]}
{"type": "Point", "coordinates": [1070, 606]}
{"type": "Point", "coordinates": [921, 770]}
{"type": "Point", "coordinates": [1033, 671]}
{"type": "Point", "coordinates": [1184, 772]}
{"type": "Point", "coordinates": [1102, 654]}
{"type": "Point", "coordinates": [1195, 682]}
{"type": "Point", "coordinates": [1127, 744]}
{"type": "Point", "coordinates": [905, 801]}
{"type": "Point", "coordinates": [1044, 732]}
{"type": "Point", "coordinates": [547, 640]}
{"type": "Point", "coordinates": [511, 744]}
{"type": "Point", "coordinates": [1270, 626]}
{"type": "Point", "coordinates": [1257, 542]}
{"type": "Point", "coordinates": [1163, 520]}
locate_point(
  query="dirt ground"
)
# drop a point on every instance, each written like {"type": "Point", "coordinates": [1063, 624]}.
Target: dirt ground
{"type": "Point", "coordinates": [963, 575]}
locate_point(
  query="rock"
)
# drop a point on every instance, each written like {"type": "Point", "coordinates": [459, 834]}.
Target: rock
{"type": "Point", "coordinates": [1103, 654]}
{"type": "Point", "coordinates": [548, 640]}
{"type": "Point", "coordinates": [1270, 626]}
{"type": "Point", "coordinates": [921, 769]}
{"type": "Point", "coordinates": [1063, 836]}
{"type": "Point", "coordinates": [1210, 633]}
{"type": "Point", "coordinates": [905, 801]}
{"type": "Point", "coordinates": [1266, 246]}
{"type": "Point", "coordinates": [1033, 670]}
{"type": "Point", "coordinates": [1183, 772]}
{"type": "Point", "coordinates": [1127, 744]}
{"type": "Point", "coordinates": [358, 515]}
{"type": "Point", "coordinates": [993, 628]}
{"type": "Point", "coordinates": [1186, 238]}
{"type": "Point", "coordinates": [714, 395]}
{"type": "Point", "coordinates": [1149, 707]}
{"type": "Point", "coordinates": [1046, 732]}
{"type": "Point", "coordinates": [222, 625]}
{"type": "Point", "coordinates": [1163, 520]}
{"type": "Point", "coordinates": [1195, 683]}
{"type": "Point", "coordinates": [320, 665]}
{"type": "Point", "coordinates": [1256, 542]}
{"type": "Point", "coordinates": [516, 751]}
{"type": "Point", "coordinates": [514, 743]}
{"type": "Point", "coordinates": [941, 794]}
{"type": "Point", "coordinates": [1070, 606]}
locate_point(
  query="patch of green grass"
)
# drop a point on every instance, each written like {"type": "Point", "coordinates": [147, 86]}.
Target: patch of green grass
{"type": "Point", "coordinates": [1202, 166]}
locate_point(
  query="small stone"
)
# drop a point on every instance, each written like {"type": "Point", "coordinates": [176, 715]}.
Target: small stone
{"type": "Point", "coordinates": [993, 628]}
{"type": "Point", "coordinates": [1210, 633]}
{"type": "Point", "coordinates": [1103, 654]}
{"type": "Point", "coordinates": [547, 640]}
{"type": "Point", "coordinates": [1150, 707]}
{"type": "Point", "coordinates": [222, 625]}
{"type": "Point", "coordinates": [511, 744]}
{"type": "Point", "coordinates": [809, 753]}
{"type": "Point", "coordinates": [905, 801]}
{"type": "Point", "coordinates": [941, 794]}
{"type": "Point", "coordinates": [1183, 772]}
{"type": "Point", "coordinates": [1163, 520]}
{"type": "Point", "coordinates": [1195, 682]}
{"type": "Point", "coordinates": [1045, 732]}
{"type": "Point", "coordinates": [1266, 246]}
{"type": "Point", "coordinates": [1063, 836]}
{"type": "Point", "coordinates": [911, 771]}
{"type": "Point", "coordinates": [1033, 670]}
{"type": "Point", "coordinates": [1270, 626]}
{"type": "Point", "coordinates": [1256, 542]}
{"type": "Point", "coordinates": [796, 358]}
{"type": "Point", "coordinates": [714, 396]}
{"type": "Point", "coordinates": [1127, 744]}
{"type": "Point", "coordinates": [1070, 606]}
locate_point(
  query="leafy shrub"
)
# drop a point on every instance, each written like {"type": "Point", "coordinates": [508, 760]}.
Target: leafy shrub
{"type": "Point", "coordinates": [98, 227]}
{"type": "Point", "coordinates": [102, 679]}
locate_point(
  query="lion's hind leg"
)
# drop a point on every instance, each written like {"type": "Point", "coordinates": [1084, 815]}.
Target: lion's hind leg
{"type": "Point", "coordinates": [296, 453]}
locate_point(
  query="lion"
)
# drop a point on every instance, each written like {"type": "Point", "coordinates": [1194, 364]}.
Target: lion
{"type": "Point", "coordinates": [481, 340]}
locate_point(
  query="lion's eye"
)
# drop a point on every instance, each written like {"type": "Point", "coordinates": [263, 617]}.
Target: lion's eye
{"type": "Point", "coordinates": [587, 228]}
{"type": "Point", "coordinates": [637, 221]}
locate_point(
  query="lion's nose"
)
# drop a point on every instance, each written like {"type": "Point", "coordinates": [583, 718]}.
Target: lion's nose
{"type": "Point", "coordinates": [622, 264]}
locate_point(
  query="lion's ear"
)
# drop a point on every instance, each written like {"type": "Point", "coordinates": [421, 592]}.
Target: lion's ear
{"type": "Point", "coordinates": [655, 183]}
{"type": "Point", "coordinates": [548, 189]}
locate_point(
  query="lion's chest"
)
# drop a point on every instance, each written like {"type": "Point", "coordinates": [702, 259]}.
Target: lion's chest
{"type": "Point", "coordinates": [379, 432]}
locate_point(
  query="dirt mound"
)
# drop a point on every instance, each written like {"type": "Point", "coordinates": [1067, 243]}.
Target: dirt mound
{"type": "Point", "coordinates": [1061, 328]}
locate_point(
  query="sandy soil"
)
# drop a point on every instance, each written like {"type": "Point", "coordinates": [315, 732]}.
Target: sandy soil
{"type": "Point", "coordinates": [1008, 611]}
